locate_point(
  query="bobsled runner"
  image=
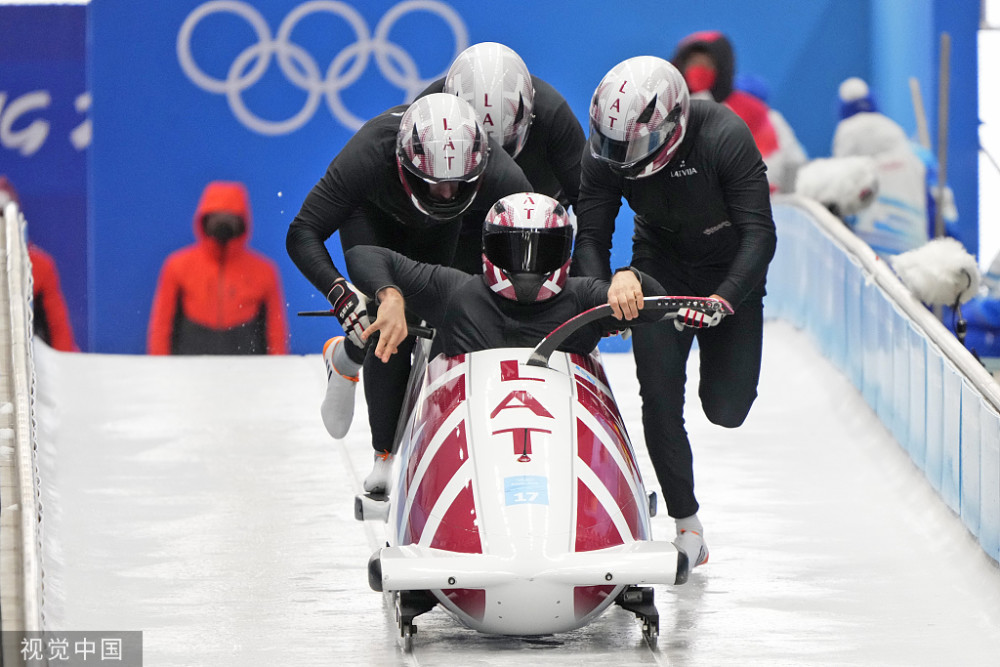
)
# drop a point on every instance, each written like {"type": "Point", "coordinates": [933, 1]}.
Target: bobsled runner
{"type": "Point", "coordinates": [517, 503]}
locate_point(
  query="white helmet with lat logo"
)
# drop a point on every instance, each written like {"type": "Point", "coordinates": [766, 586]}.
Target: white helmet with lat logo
{"type": "Point", "coordinates": [440, 141]}
{"type": "Point", "coordinates": [496, 82]}
{"type": "Point", "coordinates": [639, 115]}
{"type": "Point", "coordinates": [527, 247]}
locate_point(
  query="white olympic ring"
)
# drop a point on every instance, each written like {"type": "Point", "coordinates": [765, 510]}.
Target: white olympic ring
{"type": "Point", "coordinates": [299, 67]}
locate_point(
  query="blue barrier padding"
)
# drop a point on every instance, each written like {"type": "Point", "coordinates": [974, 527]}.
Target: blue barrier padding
{"type": "Point", "coordinates": [854, 325]}
{"type": "Point", "coordinates": [989, 484]}
{"type": "Point", "coordinates": [951, 453]}
{"type": "Point", "coordinates": [883, 373]}
{"type": "Point", "coordinates": [900, 377]}
{"type": "Point", "coordinates": [870, 344]}
{"type": "Point", "coordinates": [917, 390]}
{"type": "Point", "coordinates": [935, 420]}
{"type": "Point", "coordinates": [933, 397]}
{"type": "Point", "coordinates": [971, 447]}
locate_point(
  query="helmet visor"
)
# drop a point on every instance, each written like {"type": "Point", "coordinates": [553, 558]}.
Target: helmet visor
{"type": "Point", "coordinates": [535, 250]}
{"type": "Point", "coordinates": [629, 153]}
{"type": "Point", "coordinates": [516, 142]}
{"type": "Point", "coordinates": [419, 189]}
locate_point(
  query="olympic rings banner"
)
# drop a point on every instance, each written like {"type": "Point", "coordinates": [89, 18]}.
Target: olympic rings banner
{"type": "Point", "coordinates": [267, 92]}
{"type": "Point", "coordinates": [299, 67]}
{"type": "Point", "coordinates": [264, 92]}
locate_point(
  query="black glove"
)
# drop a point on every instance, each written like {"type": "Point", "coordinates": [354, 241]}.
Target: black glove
{"type": "Point", "coordinates": [351, 308]}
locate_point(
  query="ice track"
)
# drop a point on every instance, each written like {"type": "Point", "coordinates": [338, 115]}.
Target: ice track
{"type": "Point", "coordinates": [201, 501]}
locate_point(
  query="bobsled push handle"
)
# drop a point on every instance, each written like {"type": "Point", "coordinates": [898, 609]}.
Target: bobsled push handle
{"type": "Point", "coordinates": [668, 305]}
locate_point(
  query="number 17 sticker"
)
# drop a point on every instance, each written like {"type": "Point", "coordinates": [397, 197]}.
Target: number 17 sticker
{"type": "Point", "coordinates": [526, 490]}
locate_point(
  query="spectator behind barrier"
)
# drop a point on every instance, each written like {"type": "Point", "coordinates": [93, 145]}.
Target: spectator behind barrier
{"type": "Point", "coordinates": [901, 218]}
{"type": "Point", "coordinates": [51, 317]}
{"type": "Point", "coordinates": [708, 64]}
{"type": "Point", "coordinates": [784, 163]}
{"type": "Point", "coordinates": [217, 296]}
{"type": "Point", "coordinates": [845, 186]}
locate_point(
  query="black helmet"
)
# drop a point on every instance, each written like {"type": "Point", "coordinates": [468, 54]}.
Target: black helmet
{"type": "Point", "coordinates": [527, 246]}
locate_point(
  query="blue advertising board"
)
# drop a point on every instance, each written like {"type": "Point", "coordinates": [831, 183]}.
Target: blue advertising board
{"type": "Point", "coordinates": [266, 92]}
{"type": "Point", "coordinates": [45, 131]}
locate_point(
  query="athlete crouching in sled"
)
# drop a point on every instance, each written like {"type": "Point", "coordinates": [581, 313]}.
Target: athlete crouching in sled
{"type": "Point", "coordinates": [523, 293]}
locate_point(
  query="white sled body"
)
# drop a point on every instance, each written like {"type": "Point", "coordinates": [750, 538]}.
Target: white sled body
{"type": "Point", "coordinates": [517, 501]}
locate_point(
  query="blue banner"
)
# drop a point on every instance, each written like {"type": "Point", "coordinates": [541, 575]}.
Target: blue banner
{"type": "Point", "coordinates": [266, 92]}
{"type": "Point", "coordinates": [44, 135]}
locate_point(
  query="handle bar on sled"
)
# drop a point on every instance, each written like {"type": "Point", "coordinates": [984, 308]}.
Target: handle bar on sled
{"type": "Point", "coordinates": [669, 305]}
{"type": "Point", "coordinates": [414, 329]}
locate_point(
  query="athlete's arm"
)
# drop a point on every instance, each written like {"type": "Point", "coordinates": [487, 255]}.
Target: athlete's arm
{"type": "Point", "coordinates": [425, 287]}
{"type": "Point", "coordinates": [596, 210]}
{"type": "Point", "coordinates": [330, 204]}
{"type": "Point", "coordinates": [748, 203]}
{"type": "Point", "coordinates": [564, 144]}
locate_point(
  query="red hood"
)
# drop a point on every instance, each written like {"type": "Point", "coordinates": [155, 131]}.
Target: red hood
{"type": "Point", "coordinates": [223, 196]}
{"type": "Point", "coordinates": [719, 49]}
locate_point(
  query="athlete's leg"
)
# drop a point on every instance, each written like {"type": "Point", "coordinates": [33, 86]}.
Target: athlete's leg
{"type": "Point", "coordinates": [661, 354]}
{"type": "Point", "coordinates": [730, 364]}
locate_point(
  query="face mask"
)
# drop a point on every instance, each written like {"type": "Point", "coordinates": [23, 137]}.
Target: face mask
{"type": "Point", "coordinates": [699, 78]}
{"type": "Point", "coordinates": [527, 286]}
{"type": "Point", "coordinates": [223, 228]}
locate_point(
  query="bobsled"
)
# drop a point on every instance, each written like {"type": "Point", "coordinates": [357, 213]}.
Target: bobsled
{"type": "Point", "coordinates": [517, 503]}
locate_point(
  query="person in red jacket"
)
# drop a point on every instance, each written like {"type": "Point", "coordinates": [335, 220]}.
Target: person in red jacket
{"type": "Point", "coordinates": [217, 296]}
{"type": "Point", "coordinates": [708, 64]}
{"type": "Point", "coordinates": [51, 317]}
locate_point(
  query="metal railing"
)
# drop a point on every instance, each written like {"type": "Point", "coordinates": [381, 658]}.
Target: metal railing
{"type": "Point", "coordinates": [20, 571]}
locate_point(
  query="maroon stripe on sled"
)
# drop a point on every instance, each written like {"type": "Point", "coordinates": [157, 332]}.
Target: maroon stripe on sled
{"type": "Point", "coordinates": [438, 406]}
{"type": "Point", "coordinates": [454, 451]}
{"type": "Point", "coordinates": [587, 598]}
{"type": "Point", "coordinates": [608, 416]}
{"type": "Point", "coordinates": [588, 364]}
{"type": "Point", "coordinates": [458, 530]}
{"type": "Point", "coordinates": [470, 600]}
{"type": "Point", "coordinates": [594, 453]}
{"type": "Point", "coordinates": [594, 527]}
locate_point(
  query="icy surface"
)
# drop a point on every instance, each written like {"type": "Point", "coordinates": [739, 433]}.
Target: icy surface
{"type": "Point", "coordinates": [201, 501]}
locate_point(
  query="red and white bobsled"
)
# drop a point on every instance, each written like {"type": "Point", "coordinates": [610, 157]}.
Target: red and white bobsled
{"type": "Point", "coordinates": [517, 501]}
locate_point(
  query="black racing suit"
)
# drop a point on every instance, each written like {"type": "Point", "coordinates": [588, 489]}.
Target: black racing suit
{"type": "Point", "coordinates": [469, 316]}
{"type": "Point", "coordinates": [550, 159]}
{"type": "Point", "coordinates": [703, 226]}
{"type": "Point", "coordinates": [362, 197]}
